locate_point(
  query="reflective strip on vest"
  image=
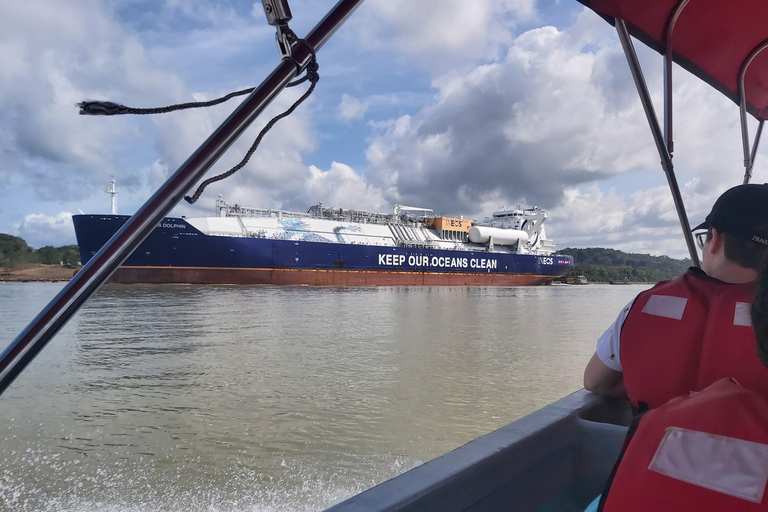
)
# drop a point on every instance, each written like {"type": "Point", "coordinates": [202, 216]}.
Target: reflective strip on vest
{"type": "Point", "coordinates": [683, 335]}
{"type": "Point", "coordinates": [724, 464]}
{"type": "Point", "coordinates": [666, 306]}
{"type": "Point", "coordinates": [741, 315]}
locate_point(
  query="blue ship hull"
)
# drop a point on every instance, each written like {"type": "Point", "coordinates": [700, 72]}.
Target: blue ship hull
{"type": "Point", "coordinates": [176, 252]}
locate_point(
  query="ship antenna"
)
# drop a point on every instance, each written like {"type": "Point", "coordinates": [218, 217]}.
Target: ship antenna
{"type": "Point", "coordinates": [111, 190]}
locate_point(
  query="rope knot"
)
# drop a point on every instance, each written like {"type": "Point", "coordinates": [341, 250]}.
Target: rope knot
{"type": "Point", "coordinates": [312, 73]}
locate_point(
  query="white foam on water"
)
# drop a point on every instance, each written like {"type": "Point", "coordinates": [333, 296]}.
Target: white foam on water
{"type": "Point", "coordinates": [43, 483]}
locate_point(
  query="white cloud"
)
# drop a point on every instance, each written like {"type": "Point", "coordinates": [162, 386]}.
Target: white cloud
{"type": "Point", "coordinates": [351, 108]}
{"type": "Point", "coordinates": [441, 33]}
{"type": "Point", "coordinates": [71, 52]}
{"type": "Point", "coordinates": [642, 222]}
{"type": "Point", "coordinates": [39, 230]}
{"type": "Point", "coordinates": [527, 127]}
{"type": "Point", "coordinates": [341, 186]}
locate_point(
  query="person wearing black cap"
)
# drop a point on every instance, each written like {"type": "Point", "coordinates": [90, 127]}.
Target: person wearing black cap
{"type": "Point", "coordinates": [683, 335]}
{"type": "Point", "coordinates": [704, 451]}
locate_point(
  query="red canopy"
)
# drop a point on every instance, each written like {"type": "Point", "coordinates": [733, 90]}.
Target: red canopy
{"type": "Point", "coordinates": [711, 38]}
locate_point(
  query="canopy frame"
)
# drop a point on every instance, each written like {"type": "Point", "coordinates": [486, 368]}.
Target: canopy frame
{"type": "Point", "coordinates": [669, 30]}
{"type": "Point", "coordinates": [663, 143]}
{"type": "Point", "coordinates": [749, 156]}
{"type": "Point", "coordinates": [726, 72]}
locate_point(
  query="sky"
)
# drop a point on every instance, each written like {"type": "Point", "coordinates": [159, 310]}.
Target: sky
{"type": "Point", "coordinates": [462, 107]}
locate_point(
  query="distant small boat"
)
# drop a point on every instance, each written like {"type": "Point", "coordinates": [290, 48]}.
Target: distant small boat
{"type": "Point", "coordinates": [580, 279]}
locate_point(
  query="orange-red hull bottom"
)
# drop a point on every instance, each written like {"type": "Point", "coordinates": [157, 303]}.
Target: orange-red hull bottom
{"type": "Point", "coordinates": [189, 275]}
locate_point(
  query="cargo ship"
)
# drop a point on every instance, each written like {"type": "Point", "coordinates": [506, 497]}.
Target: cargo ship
{"type": "Point", "coordinates": [334, 246]}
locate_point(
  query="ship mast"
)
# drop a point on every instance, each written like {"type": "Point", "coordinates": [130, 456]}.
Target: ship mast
{"type": "Point", "coordinates": [111, 190]}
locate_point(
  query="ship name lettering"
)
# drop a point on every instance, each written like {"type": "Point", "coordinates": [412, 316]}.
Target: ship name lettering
{"type": "Point", "coordinates": [391, 259]}
{"type": "Point", "coordinates": [168, 225]}
{"type": "Point", "coordinates": [483, 263]}
{"type": "Point", "coordinates": [421, 260]}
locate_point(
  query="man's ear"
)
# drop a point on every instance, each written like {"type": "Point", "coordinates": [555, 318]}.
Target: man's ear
{"type": "Point", "coordinates": [717, 241]}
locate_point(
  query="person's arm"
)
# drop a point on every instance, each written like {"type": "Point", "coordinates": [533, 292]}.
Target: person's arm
{"type": "Point", "coordinates": [598, 378]}
{"type": "Point", "coordinates": [603, 373]}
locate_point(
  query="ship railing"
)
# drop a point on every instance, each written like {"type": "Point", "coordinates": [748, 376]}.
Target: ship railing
{"type": "Point", "coordinates": [412, 244]}
{"type": "Point", "coordinates": [261, 212]}
{"type": "Point", "coordinates": [493, 223]}
{"type": "Point", "coordinates": [227, 210]}
{"type": "Point", "coordinates": [365, 217]}
{"type": "Point", "coordinates": [547, 245]}
{"type": "Point", "coordinates": [341, 215]}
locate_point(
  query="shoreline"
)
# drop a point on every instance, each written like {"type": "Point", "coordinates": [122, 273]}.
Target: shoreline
{"type": "Point", "coordinates": [38, 274]}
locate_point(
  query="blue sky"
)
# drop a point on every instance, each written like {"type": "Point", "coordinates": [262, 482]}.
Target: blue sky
{"type": "Point", "coordinates": [459, 106]}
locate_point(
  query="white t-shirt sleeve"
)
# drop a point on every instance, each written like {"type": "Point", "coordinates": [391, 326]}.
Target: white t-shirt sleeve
{"type": "Point", "coordinates": [609, 344]}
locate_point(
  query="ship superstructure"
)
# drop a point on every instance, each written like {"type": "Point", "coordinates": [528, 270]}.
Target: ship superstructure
{"type": "Point", "coordinates": [519, 230]}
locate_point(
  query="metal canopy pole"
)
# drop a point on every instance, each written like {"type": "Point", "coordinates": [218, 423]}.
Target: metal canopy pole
{"type": "Point", "coordinates": [748, 170]}
{"type": "Point", "coordinates": [39, 332]}
{"type": "Point", "coordinates": [658, 137]}
{"type": "Point", "coordinates": [749, 157]}
{"type": "Point", "coordinates": [670, 29]}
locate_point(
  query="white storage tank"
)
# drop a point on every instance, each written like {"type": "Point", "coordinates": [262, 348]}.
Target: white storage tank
{"type": "Point", "coordinates": [481, 235]}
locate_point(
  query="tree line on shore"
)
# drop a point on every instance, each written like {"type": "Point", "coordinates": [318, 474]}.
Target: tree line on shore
{"type": "Point", "coordinates": [16, 253]}
{"type": "Point", "coordinates": [605, 265]}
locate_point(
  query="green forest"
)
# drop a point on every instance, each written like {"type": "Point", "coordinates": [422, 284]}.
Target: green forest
{"type": "Point", "coordinates": [15, 253]}
{"type": "Point", "coordinates": [604, 265]}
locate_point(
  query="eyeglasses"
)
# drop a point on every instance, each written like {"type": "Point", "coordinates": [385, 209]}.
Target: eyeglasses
{"type": "Point", "coordinates": [701, 238]}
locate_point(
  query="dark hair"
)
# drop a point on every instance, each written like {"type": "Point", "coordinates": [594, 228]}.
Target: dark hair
{"type": "Point", "coordinates": [743, 252]}
{"type": "Point", "coordinates": [759, 313]}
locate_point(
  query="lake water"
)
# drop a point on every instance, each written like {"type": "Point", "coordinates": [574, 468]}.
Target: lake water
{"type": "Point", "coordinates": [221, 398]}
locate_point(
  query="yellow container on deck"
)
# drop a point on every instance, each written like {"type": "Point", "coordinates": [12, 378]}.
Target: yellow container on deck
{"type": "Point", "coordinates": [450, 224]}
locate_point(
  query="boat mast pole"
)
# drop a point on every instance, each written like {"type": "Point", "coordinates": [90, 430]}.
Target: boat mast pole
{"type": "Point", "coordinates": [39, 332]}
{"type": "Point", "coordinates": [658, 137]}
{"type": "Point", "coordinates": [112, 191]}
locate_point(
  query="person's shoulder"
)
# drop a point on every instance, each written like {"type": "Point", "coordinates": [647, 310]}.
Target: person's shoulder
{"type": "Point", "coordinates": [691, 273]}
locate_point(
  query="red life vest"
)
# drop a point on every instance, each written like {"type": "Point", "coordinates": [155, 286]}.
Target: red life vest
{"type": "Point", "coordinates": [683, 335]}
{"type": "Point", "coordinates": [703, 452]}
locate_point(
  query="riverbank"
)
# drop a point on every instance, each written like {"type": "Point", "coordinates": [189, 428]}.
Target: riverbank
{"type": "Point", "coordinates": [38, 274]}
